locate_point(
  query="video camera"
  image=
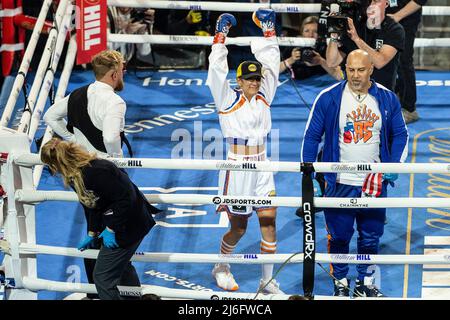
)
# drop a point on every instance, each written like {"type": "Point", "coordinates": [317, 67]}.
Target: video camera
{"type": "Point", "coordinates": [334, 14]}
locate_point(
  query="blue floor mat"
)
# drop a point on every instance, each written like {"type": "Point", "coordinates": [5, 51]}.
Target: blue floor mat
{"type": "Point", "coordinates": [171, 114]}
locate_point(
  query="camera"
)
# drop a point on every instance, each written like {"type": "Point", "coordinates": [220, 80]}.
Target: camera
{"type": "Point", "coordinates": [138, 15]}
{"type": "Point", "coordinates": [334, 15]}
{"type": "Point", "coordinates": [307, 54]}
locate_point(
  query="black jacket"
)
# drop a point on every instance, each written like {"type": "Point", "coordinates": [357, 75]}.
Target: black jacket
{"type": "Point", "coordinates": [413, 18]}
{"type": "Point", "coordinates": [120, 205]}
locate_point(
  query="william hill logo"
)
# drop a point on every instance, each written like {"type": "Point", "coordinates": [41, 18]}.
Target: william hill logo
{"type": "Point", "coordinates": [364, 167]}
{"type": "Point", "coordinates": [134, 163]}
{"type": "Point", "coordinates": [250, 256]}
{"type": "Point", "coordinates": [363, 257]}
{"type": "Point", "coordinates": [249, 166]}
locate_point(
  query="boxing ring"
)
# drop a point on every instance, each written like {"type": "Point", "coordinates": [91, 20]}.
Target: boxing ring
{"type": "Point", "coordinates": [16, 250]}
{"type": "Point", "coordinates": [22, 170]}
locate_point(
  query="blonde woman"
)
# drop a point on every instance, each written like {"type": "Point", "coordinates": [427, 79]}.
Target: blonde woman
{"type": "Point", "coordinates": [118, 213]}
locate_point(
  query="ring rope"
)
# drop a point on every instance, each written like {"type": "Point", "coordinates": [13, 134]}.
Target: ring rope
{"type": "Point", "coordinates": [36, 284]}
{"type": "Point", "coordinates": [32, 196]}
{"type": "Point", "coordinates": [173, 257]}
{"type": "Point", "coordinates": [30, 159]}
{"type": "Point", "coordinates": [242, 41]}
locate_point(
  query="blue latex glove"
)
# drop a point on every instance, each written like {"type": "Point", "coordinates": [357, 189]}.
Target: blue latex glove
{"type": "Point", "coordinates": [390, 178]}
{"type": "Point", "coordinates": [265, 19]}
{"type": "Point", "coordinates": [109, 239]}
{"type": "Point", "coordinates": [317, 190]}
{"type": "Point", "coordinates": [224, 22]}
{"type": "Point", "coordinates": [83, 245]}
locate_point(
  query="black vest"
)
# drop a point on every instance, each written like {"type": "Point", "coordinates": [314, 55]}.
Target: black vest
{"type": "Point", "coordinates": [78, 117]}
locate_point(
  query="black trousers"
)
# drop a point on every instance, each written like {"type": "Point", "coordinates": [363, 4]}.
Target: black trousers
{"type": "Point", "coordinates": [89, 265]}
{"type": "Point", "coordinates": [113, 268]}
{"type": "Point", "coordinates": [406, 82]}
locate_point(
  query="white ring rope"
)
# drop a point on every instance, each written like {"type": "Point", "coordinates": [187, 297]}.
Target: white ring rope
{"type": "Point", "coordinates": [246, 7]}
{"type": "Point", "coordinates": [242, 41]}
{"type": "Point", "coordinates": [216, 6]}
{"type": "Point", "coordinates": [30, 159]}
{"type": "Point", "coordinates": [32, 196]}
{"type": "Point", "coordinates": [204, 41]}
{"type": "Point", "coordinates": [36, 284]}
{"type": "Point", "coordinates": [173, 257]}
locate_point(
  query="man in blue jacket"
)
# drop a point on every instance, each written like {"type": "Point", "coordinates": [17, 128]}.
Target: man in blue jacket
{"type": "Point", "coordinates": [362, 122]}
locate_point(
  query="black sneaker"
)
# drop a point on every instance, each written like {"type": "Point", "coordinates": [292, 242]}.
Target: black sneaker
{"type": "Point", "coordinates": [366, 288]}
{"type": "Point", "coordinates": [341, 288]}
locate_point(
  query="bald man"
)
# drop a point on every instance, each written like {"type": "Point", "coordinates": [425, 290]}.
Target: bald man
{"type": "Point", "coordinates": [362, 122]}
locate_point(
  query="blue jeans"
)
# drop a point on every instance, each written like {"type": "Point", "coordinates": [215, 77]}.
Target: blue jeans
{"type": "Point", "coordinates": [340, 222]}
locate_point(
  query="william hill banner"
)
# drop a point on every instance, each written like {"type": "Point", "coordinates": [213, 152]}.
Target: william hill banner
{"type": "Point", "coordinates": [91, 23]}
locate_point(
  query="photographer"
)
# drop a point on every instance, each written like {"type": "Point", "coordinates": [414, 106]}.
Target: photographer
{"type": "Point", "coordinates": [382, 38]}
{"type": "Point", "coordinates": [306, 62]}
{"type": "Point", "coordinates": [408, 13]}
{"type": "Point", "coordinates": [125, 20]}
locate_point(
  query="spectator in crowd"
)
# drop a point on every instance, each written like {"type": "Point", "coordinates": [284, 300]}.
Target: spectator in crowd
{"type": "Point", "coordinates": [408, 13]}
{"type": "Point", "coordinates": [125, 20]}
{"type": "Point", "coordinates": [313, 64]}
{"type": "Point", "coordinates": [382, 38]}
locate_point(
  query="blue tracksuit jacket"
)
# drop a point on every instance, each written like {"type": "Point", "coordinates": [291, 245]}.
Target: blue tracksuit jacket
{"type": "Point", "coordinates": [324, 120]}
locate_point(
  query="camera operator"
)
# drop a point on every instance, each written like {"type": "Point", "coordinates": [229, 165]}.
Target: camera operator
{"type": "Point", "coordinates": [125, 20]}
{"type": "Point", "coordinates": [382, 38]}
{"type": "Point", "coordinates": [307, 62]}
{"type": "Point", "coordinates": [408, 13]}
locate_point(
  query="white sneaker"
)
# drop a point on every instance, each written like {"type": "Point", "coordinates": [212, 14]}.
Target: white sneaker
{"type": "Point", "coordinates": [224, 277]}
{"type": "Point", "coordinates": [272, 287]}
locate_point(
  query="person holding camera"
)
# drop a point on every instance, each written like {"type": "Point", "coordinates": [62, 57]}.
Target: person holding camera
{"type": "Point", "coordinates": [307, 62]}
{"type": "Point", "coordinates": [382, 38]}
{"type": "Point", "coordinates": [126, 20]}
{"type": "Point", "coordinates": [408, 13]}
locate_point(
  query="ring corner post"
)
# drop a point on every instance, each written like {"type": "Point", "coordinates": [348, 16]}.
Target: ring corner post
{"type": "Point", "coordinates": [18, 218]}
{"type": "Point", "coordinates": [309, 229]}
